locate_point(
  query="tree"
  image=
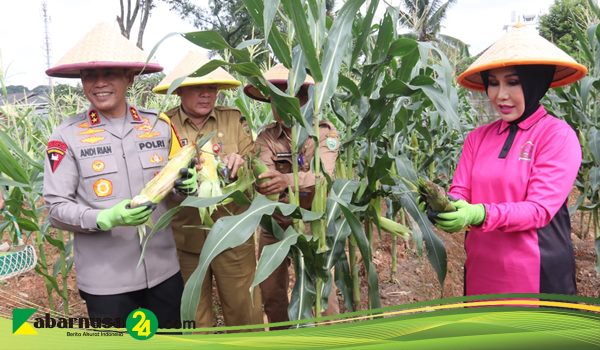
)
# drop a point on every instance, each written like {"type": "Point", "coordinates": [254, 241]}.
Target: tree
{"type": "Point", "coordinates": [227, 17]}
{"type": "Point", "coordinates": [126, 21]}
{"type": "Point", "coordinates": [560, 24]}
{"type": "Point", "coordinates": [424, 18]}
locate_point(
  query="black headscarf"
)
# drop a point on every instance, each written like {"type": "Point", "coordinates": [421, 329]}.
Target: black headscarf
{"type": "Point", "coordinates": [535, 81]}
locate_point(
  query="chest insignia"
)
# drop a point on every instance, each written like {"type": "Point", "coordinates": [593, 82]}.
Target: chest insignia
{"type": "Point", "coordinates": [526, 151]}
{"type": "Point", "coordinates": [93, 139]}
{"type": "Point", "coordinates": [91, 131]}
{"type": "Point", "coordinates": [97, 165]}
{"type": "Point", "coordinates": [103, 187]}
{"type": "Point", "coordinates": [149, 135]}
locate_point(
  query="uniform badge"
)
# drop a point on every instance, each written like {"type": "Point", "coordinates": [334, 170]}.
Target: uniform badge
{"type": "Point", "coordinates": [148, 135]}
{"type": "Point", "coordinates": [94, 117]}
{"type": "Point", "coordinates": [103, 188]}
{"type": "Point", "coordinates": [56, 151]}
{"type": "Point", "coordinates": [331, 143]}
{"type": "Point", "coordinates": [526, 151]}
{"type": "Point", "coordinates": [156, 158]}
{"type": "Point", "coordinates": [184, 142]}
{"type": "Point", "coordinates": [134, 114]}
{"type": "Point", "coordinates": [216, 147]}
{"type": "Point", "coordinates": [93, 139]}
{"type": "Point", "coordinates": [91, 131]}
{"type": "Point", "coordinates": [84, 125]}
{"type": "Point", "coordinates": [98, 165]}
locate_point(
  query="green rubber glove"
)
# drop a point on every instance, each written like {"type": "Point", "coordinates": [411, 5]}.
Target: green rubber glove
{"type": "Point", "coordinates": [188, 183]}
{"type": "Point", "coordinates": [465, 215]}
{"type": "Point", "coordinates": [122, 215]}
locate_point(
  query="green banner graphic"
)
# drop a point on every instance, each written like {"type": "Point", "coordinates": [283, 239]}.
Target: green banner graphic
{"type": "Point", "coordinates": [484, 322]}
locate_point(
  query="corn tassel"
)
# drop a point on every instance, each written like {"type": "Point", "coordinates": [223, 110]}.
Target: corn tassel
{"type": "Point", "coordinates": [158, 188]}
{"type": "Point", "coordinates": [210, 184]}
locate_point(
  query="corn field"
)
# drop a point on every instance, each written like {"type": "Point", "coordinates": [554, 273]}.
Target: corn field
{"type": "Point", "coordinates": [400, 116]}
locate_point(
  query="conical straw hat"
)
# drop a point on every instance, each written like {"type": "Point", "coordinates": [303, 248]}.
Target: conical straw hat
{"type": "Point", "coordinates": [190, 63]}
{"type": "Point", "coordinates": [277, 75]}
{"type": "Point", "coordinates": [103, 47]}
{"type": "Point", "coordinates": [523, 46]}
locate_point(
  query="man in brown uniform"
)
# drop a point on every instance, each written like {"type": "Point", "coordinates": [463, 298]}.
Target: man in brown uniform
{"type": "Point", "coordinates": [274, 147]}
{"type": "Point", "coordinates": [234, 268]}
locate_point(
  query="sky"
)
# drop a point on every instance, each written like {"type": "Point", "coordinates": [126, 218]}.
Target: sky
{"type": "Point", "coordinates": [22, 46]}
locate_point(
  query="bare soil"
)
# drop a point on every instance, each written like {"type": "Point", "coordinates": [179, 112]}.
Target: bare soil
{"type": "Point", "coordinates": [414, 280]}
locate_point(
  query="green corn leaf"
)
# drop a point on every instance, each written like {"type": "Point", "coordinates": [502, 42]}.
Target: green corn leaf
{"type": "Point", "coordinates": [303, 294]}
{"type": "Point", "coordinates": [365, 31]}
{"type": "Point", "coordinates": [365, 250]}
{"type": "Point", "coordinates": [229, 232]}
{"type": "Point", "coordinates": [256, 9]}
{"type": "Point", "coordinates": [212, 40]}
{"type": "Point", "coordinates": [343, 280]}
{"type": "Point", "coordinates": [296, 13]}
{"type": "Point", "coordinates": [336, 47]}
{"type": "Point", "coordinates": [273, 255]}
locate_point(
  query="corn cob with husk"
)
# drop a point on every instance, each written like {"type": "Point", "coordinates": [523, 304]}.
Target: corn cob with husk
{"type": "Point", "coordinates": [210, 184]}
{"type": "Point", "coordinates": [394, 227]}
{"type": "Point", "coordinates": [435, 196]}
{"type": "Point", "coordinates": [258, 167]}
{"type": "Point", "coordinates": [158, 188]}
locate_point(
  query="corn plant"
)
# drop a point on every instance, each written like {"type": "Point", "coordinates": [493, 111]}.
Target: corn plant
{"type": "Point", "coordinates": [378, 87]}
{"type": "Point", "coordinates": [577, 104]}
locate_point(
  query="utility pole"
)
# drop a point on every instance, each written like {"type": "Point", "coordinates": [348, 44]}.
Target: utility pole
{"type": "Point", "coordinates": [46, 38]}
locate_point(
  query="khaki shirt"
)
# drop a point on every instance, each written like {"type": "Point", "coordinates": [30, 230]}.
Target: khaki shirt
{"type": "Point", "coordinates": [232, 137]}
{"type": "Point", "coordinates": [274, 147]}
{"type": "Point", "coordinates": [92, 165]}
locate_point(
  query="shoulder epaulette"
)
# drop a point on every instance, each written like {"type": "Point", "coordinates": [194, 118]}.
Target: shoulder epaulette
{"type": "Point", "coordinates": [147, 111]}
{"type": "Point", "coordinates": [227, 108]}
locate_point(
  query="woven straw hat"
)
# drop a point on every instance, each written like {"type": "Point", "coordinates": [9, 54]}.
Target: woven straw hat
{"type": "Point", "coordinates": [523, 46]}
{"type": "Point", "coordinates": [277, 75]}
{"type": "Point", "coordinates": [103, 47]}
{"type": "Point", "coordinates": [188, 65]}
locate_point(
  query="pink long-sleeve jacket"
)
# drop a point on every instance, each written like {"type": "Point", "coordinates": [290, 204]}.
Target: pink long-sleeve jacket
{"type": "Point", "coordinates": [524, 244]}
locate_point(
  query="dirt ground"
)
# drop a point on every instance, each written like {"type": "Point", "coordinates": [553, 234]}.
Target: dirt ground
{"type": "Point", "coordinates": [414, 281]}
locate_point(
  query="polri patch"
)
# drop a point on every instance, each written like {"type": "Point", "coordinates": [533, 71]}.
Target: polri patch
{"type": "Point", "coordinates": [56, 151]}
{"type": "Point", "coordinates": [154, 144]}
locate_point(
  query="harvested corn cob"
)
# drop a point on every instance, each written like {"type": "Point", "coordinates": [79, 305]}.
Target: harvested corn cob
{"type": "Point", "coordinates": [435, 196]}
{"type": "Point", "coordinates": [157, 188]}
{"type": "Point", "coordinates": [210, 184]}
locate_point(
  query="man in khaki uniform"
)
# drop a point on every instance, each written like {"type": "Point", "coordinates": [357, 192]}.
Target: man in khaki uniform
{"type": "Point", "coordinates": [274, 147]}
{"type": "Point", "coordinates": [233, 269]}
{"type": "Point", "coordinates": [98, 160]}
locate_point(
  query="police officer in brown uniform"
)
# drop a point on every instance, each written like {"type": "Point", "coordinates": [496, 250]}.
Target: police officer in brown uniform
{"type": "Point", "coordinates": [273, 145]}
{"type": "Point", "coordinates": [197, 115]}
{"type": "Point", "coordinates": [96, 162]}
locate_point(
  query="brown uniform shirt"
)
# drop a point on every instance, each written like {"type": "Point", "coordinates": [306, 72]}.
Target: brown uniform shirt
{"type": "Point", "coordinates": [274, 147]}
{"type": "Point", "coordinates": [231, 137]}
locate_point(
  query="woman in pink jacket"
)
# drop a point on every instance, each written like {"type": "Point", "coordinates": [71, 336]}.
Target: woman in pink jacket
{"type": "Point", "coordinates": [515, 174]}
